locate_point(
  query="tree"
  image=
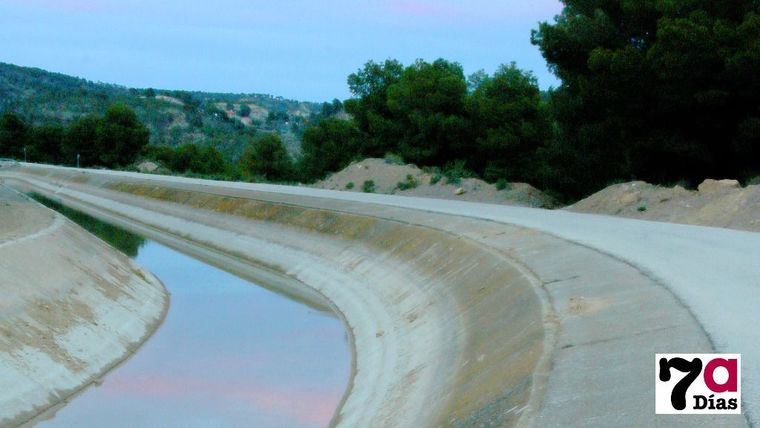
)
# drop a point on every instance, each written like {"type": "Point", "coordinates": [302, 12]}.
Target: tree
{"type": "Point", "coordinates": [369, 107]}
{"type": "Point", "coordinates": [476, 79]}
{"type": "Point", "coordinates": [417, 111]}
{"type": "Point", "coordinates": [244, 111]}
{"type": "Point", "coordinates": [653, 90]}
{"type": "Point", "coordinates": [14, 136]}
{"type": "Point", "coordinates": [267, 158]}
{"type": "Point", "coordinates": [277, 116]}
{"type": "Point", "coordinates": [429, 104]}
{"type": "Point", "coordinates": [510, 125]}
{"type": "Point", "coordinates": [212, 161]}
{"type": "Point", "coordinates": [121, 136]}
{"type": "Point", "coordinates": [328, 146]}
{"type": "Point", "coordinates": [46, 144]}
{"type": "Point", "coordinates": [113, 140]}
{"type": "Point", "coordinates": [191, 158]}
{"type": "Point", "coordinates": [81, 138]}
{"type": "Point", "coordinates": [331, 109]}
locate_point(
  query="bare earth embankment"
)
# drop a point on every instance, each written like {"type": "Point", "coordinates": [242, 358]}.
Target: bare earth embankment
{"type": "Point", "coordinates": [410, 180]}
{"type": "Point", "coordinates": [453, 320]}
{"type": "Point", "coordinates": [71, 307]}
{"type": "Point", "coordinates": [718, 203]}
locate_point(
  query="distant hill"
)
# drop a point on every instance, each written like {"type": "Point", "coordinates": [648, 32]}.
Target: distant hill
{"type": "Point", "coordinates": [174, 117]}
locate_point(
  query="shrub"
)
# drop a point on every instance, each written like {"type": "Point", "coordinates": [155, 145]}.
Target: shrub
{"type": "Point", "coordinates": [409, 183]}
{"type": "Point", "coordinates": [350, 185]}
{"type": "Point", "coordinates": [393, 159]}
{"type": "Point", "coordinates": [368, 186]}
{"type": "Point", "coordinates": [455, 171]}
{"type": "Point", "coordinates": [502, 184]}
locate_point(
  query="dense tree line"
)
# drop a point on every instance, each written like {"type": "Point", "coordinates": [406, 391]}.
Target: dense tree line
{"type": "Point", "coordinates": [112, 140]}
{"type": "Point", "coordinates": [432, 115]}
{"type": "Point", "coordinates": [264, 158]}
{"type": "Point", "coordinates": [652, 90]}
{"type": "Point", "coordinates": [189, 158]}
{"type": "Point", "coordinates": [118, 140]}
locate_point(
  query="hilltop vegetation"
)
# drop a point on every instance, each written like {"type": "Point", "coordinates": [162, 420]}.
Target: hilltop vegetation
{"type": "Point", "coordinates": [173, 118]}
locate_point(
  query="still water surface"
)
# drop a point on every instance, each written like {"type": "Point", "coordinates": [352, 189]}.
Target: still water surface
{"type": "Point", "coordinates": [229, 354]}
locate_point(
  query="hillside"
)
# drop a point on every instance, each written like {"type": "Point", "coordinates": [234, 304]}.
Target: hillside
{"type": "Point", "coordinates": [173, 117]}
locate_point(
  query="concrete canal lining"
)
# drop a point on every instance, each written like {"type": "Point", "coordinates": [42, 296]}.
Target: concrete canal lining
{"type": "Point", "coordinates": [71, 308]}
{"type": "Point", "coordinates": [455, 321]}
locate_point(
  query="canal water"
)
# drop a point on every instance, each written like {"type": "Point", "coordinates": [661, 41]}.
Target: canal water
{"type": "Point", "coordinates": [229, 354]}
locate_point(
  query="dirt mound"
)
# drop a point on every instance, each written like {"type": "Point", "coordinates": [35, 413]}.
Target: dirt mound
{"type": "Point", "coordinates": [409, 180]}
{"type": "Point", "coordinates": [722, 203]}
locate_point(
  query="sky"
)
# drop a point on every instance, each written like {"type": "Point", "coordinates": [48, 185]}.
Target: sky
{"type": "Point", "coordinates": [295, 48]}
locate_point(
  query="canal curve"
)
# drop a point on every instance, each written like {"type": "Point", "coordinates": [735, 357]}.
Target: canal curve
{"type": "Point", "coordinates": [229, 353]}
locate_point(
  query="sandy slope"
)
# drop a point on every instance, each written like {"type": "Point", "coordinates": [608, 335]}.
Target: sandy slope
{"type": "Point", "coordinates": [387, 178]}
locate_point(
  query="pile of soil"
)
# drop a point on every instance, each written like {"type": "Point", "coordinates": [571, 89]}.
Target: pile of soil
{"type": "Point", "coordinates": [719, 203]}
{"type": "Point", "coordinates": [409, 180]}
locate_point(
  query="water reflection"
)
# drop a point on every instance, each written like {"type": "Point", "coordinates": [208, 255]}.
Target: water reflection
{"type": "Point", "coordinates": [228, 354]}
{"type": "Point", "coordinates": [128, 243]}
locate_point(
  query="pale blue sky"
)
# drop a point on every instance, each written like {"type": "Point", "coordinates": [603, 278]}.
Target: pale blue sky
{"type": "Point", "coordinates": [296, 48]}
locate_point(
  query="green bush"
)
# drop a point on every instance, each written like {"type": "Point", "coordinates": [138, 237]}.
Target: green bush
{"type": "Point", "coordinates": [393, 159]}
{"type": "Point", "coordinates": [244, 111]}
{"type": "Point", "coordinates": [502, 184]}
{"type": "Point", "coordinates": [455, 171]}
{"type": "Point", "coordinates": [409, 183]}
{"type": "Point", "coordinates": [368, 186]}
{"type": "Point", "coordinates": [350, 185]}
